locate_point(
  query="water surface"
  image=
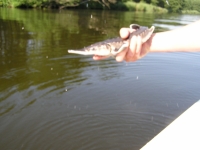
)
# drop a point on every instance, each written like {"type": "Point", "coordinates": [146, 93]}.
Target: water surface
{"type": "Point", "coordinates": [50, 99]}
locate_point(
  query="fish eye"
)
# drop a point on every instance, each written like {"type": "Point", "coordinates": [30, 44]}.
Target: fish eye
{"type": "Point", "coordinates": [116, 49]}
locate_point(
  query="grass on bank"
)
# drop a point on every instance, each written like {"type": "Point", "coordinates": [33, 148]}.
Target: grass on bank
{"type": "Point", "coordinates": [139, 7]}
{"type": "Point", "coordinates": [190, 12]}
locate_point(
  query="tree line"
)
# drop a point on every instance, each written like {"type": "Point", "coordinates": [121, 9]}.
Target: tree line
{"type": "Point", "coordinates": [175, 6]}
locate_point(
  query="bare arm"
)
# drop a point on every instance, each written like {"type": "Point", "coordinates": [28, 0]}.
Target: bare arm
{"type": "Point", "coordinates": [185, 39]}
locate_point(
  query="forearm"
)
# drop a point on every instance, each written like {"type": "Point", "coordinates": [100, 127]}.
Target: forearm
{"type": "Point", "coordinates": [186, 38]}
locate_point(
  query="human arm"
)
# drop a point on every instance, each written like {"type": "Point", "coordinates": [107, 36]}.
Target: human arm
{"type": "Point", "coordinates": [186, 39]}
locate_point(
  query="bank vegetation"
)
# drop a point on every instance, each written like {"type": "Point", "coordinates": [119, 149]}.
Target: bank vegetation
{"type": "Point", "coordinates": [158, 6]}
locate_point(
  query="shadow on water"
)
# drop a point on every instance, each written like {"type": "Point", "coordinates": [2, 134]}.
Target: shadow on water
{"type": "Point", "coordinates": [50, 99]}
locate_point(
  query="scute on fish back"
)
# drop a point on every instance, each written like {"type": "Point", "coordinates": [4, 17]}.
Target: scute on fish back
{"type": "Point", "coordinates": [112, 47]}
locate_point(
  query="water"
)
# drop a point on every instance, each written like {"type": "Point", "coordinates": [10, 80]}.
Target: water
{"type": "Point", "coordinates": [50, 99]}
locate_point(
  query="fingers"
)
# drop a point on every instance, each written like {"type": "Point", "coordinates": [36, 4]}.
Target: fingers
{"type": "Point", "coordinates": [134, 47]}
{"type": "Point", "coordinates": [133, 50]}
{"type": "Point", "coordinates": [120, 57]}
{"type": "Point", "coordinates": [138, 48]}
{"type": "Point", "coordinates": [96, 57]}
{"type": "Point", "coordinates": [139, 45]}
{"type": "Point", "coordinates": [124, 33]}
{"type": "Point", "coordinates": [132, 53]}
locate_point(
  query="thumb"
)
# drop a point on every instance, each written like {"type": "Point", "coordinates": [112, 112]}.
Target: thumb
{"type": "Point", "coordinates": [124, 33]}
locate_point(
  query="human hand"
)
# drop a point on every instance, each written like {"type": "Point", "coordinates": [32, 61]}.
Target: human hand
{"type": "Point", "coordinates": [135, 50]}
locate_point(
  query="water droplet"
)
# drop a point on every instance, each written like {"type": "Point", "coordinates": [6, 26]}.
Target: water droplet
{"type": "Point", "coordinates": [177, 105]}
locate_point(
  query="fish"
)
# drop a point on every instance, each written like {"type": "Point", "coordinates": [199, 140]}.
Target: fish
{"type": "Point", "coordinates": [111, 47]}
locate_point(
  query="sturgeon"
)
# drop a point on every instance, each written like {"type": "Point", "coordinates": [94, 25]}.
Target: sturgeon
{"type": "Point", "coordinates": [112, 47]}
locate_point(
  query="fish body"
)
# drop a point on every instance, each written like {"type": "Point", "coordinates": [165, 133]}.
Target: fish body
{"type": "Point", "coordinates": [112, 47]}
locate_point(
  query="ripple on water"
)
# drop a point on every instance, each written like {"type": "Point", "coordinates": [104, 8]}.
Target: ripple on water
{"type": "Point", "coordinates": [107, 105]}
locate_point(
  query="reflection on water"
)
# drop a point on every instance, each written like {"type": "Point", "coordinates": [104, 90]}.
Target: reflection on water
{"type": "Point", "coordinates": [50, 99]}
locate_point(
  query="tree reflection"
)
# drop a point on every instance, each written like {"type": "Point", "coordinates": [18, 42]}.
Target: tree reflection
{"type": "Point", "coordinates": [34, 61]}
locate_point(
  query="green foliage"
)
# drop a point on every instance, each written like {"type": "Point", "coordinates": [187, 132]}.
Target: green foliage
{"type": "Point", "coordinates": [140, 7]}
{"type": "Point", "coordinates": [175, 6]}
{"type": "Point", "coordinates": [190, 12]}
{"type": "Point", "coordinates": [94, 5]}
{"type": "Point", "coordinates": [39, 3]}
{"type": "Point", "coordinates": [192, 5]}
{"type": "Point", "coordinates": [154, 2]}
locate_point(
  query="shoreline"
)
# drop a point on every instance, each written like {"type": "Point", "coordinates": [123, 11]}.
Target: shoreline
{"type": "Point", "coordinates": [123, 6]}
{"type": "Point", "coordinates": [119, 5]}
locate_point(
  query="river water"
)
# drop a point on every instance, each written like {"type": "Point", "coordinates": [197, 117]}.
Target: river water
{"type": "Point", "coordinates": [50, 99]}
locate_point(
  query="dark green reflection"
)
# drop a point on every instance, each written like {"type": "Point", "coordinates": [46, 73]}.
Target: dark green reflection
{"type": "Point", "coordinates": [34, 61]}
